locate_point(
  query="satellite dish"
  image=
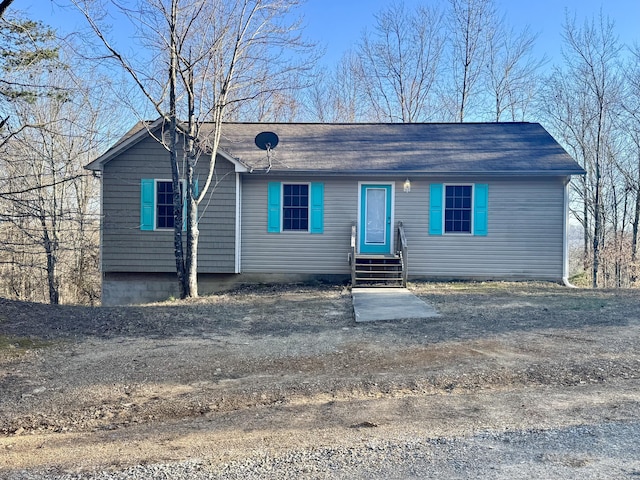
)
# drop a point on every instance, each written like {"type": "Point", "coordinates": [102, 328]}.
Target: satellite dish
{"type": "Point", "coordinates": [267, 140]}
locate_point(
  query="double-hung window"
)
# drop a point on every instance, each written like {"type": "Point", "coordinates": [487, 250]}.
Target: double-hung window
{"type": "Point", "coordinates": [295, 207]}
{"type": "Point", "coordinates": [457, 211]}
{"type": "Point", "coordinates": [164, 204]}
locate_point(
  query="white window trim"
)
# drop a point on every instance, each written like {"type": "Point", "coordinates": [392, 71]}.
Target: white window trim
{"type": "Point", "coordinates": [155, 201]}
{"type": "Point", "coordinates": [282, 207]}
{"type": "Point", "coordinates": [444, 209]}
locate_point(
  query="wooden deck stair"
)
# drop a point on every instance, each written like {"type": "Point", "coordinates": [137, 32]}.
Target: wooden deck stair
{"type": "Point", "coordinates": [378, 270]}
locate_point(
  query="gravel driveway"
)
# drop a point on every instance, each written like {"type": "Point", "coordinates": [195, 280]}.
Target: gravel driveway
{"type": "Point", "coordinates": [513, 380]}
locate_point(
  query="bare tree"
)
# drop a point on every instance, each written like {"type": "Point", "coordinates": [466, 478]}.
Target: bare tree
{"type": "Point", "coordinates": [36, 177]}
{"type": "Point", "coordinates": [469, 24]}
{"type": "Point", "coordinates": [339, 95]}
{"type": "Point", "coordinates": [213, 54]}
{"type": "Point", "coordinates": [630, 123]}
{"type": "Point", "coordinates": [581, 100]}
{"type": "Point", "coordinates": [512, 71]}
{"type": "Point", "coordinates": [49, 216]}
{"type": "Point", "coordinates": [427, 64]}
{"type": "Point", "coordinates": [278, 105]}
{"type": "Point", "coordinates": [49, 203]}
{"type": "Point", "coordinates": [400, 61]}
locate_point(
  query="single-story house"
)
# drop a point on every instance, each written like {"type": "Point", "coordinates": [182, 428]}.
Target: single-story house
{"type": "Point", "coordinates": [454, 200]}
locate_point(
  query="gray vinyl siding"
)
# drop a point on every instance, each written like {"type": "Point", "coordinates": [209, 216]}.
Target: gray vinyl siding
{"type": "Point", "coordinates": [298, 252]}
{"type": "Point", "coordinates": [125, 248]}
{"type": "Point", "coordinates": [525, 233]}
{"type": "Point", "coordinates": [524, 241]}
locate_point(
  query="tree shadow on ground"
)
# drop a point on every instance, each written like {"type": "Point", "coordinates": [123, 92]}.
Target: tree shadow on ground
{"type": "Point", "coordinates": [467, 311]}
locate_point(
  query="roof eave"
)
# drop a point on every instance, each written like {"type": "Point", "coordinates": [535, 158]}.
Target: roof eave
{"type": "Point", "coordinates": [421, 173]}
{"type": "Point", "coordinates": [240, 166]}
{"type": "Point", "coordinates": [98, 163]}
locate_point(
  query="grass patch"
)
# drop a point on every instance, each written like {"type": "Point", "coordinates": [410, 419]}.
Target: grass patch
{"type": "Point", "coordinates": [581, 280]}
{"type": "Point", "coordinates": [16, 346]}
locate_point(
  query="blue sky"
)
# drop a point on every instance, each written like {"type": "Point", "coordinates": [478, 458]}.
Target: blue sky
{"type": "Point", "coordinates": [337, 24]}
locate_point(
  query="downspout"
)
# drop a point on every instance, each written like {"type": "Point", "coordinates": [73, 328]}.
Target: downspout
{"type": "Point", "coordinates": [238, 239]}
{"type": "Point", "coordinates": [565, 237]}
{"type": "Point", "coordinates": [100, 175]}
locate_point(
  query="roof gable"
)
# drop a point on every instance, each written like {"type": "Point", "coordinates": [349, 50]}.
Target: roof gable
{"type": "Point", "coordinates": [136, 134]}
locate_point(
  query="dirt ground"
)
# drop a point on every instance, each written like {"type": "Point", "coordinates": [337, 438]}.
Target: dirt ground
{"type": "Point", "coordinates": [271, 369]}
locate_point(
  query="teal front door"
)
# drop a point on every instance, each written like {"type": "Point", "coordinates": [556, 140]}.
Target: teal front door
{"type": "Point", "coordinates": [375, 219]}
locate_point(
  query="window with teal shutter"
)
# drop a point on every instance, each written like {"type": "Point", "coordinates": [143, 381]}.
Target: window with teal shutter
{"type": "Point", "coordinates": [147, 203]}
{"type": "Point", "coordinates": [295, 207]}
{"type": "Point", "coordinates": [451, 207]}
{"type": "Point", "coordinates": [156, 204]}
{"type": "Point", "coordinates": [435, 209]}
{"type": "Point", "coordinates": [317, 208]}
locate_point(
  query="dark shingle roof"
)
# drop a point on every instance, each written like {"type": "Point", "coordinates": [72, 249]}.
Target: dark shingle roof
{"type": "Point", "coordinates": [507, 148]}
{"type": "Point", "coordinates": [374, 148]}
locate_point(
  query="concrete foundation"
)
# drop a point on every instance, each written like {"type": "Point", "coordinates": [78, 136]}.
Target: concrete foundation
{"type": "Point", "coordinates": [140, 288]}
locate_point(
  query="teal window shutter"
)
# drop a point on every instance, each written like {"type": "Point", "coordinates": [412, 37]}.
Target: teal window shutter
{"type": "Point", "coordinates": [274, 198]}
{"type": "Point", "coordinates": [147, 203]}
{"type": "Point", "coordinates": [435, 209]}
{"type": "Point", "coordinates": [480, 208]}
{"type": "Point", "coordinates": [317, 208]}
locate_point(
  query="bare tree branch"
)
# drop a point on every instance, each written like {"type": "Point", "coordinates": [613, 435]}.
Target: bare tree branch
{"type": "Point", "coordinates": [4, 4]}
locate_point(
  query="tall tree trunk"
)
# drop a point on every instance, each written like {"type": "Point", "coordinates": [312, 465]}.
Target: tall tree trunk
{"type": "Point", "coordinates": [50, 248]}
{"type": "Point", "coordinates": [586, 227]}
{"type": "Point", "coordinates": [192, 214]}
{"type": "Point", "coordinates": [193, 234]}
{"type": "Point", "coordinates": [173, 153]}
{"type": "Point", "coordinates": [634, 230]}
{"type": "Point", "coordinates": [634, 238]}
{"type": "Point", "coordinates": [597, 227]}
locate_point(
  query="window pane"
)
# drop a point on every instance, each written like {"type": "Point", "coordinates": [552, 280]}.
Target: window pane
{"type": "Point", "coordinates": [164, 205]}
{"type": "Point", "coordinates": [458, 208]}
{"type": "Point", "coordinates": [449, 202]}
{"type": "Point", "coordinates": [375, 214]}
{"type": "Point", "coordinates": [295, 210]}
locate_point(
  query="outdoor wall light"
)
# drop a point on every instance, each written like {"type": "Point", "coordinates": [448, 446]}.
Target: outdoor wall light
{"type": "Point", "coordinates": [407, 186]}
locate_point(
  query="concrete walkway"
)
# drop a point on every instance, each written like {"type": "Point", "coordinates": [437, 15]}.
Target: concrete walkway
{"type": "Point", "coordinates": [378, 303]}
